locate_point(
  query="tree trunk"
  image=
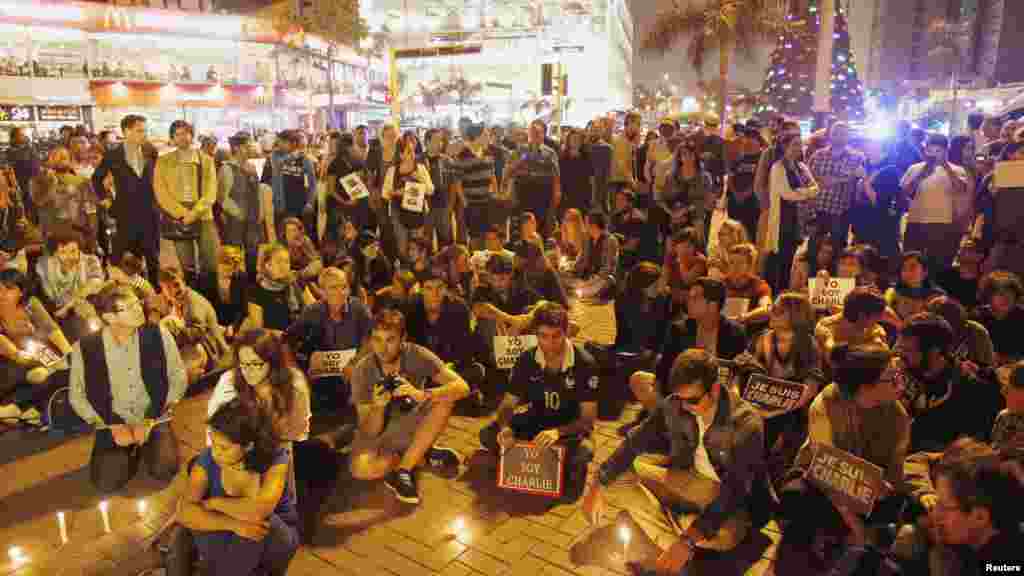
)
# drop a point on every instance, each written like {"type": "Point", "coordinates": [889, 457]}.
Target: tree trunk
{"type": "Point", "coordinates": [724, 57]}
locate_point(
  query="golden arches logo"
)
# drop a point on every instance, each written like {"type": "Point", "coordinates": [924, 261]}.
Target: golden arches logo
{"type": "Point", "coordinates": [118, 18]}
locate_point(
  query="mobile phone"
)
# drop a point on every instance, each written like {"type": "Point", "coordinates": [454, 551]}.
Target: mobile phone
{"type": "Point", "coordinates": [981, 158]}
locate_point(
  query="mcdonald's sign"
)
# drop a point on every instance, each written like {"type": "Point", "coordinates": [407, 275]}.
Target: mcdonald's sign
{"type": "Point", "coordinates": [118, 18]}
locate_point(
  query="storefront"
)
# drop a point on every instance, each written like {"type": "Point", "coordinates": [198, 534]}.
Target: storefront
{"type": "Point", "coordinates": [222, 73]}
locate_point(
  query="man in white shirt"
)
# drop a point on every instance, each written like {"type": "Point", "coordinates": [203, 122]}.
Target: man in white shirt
{"type": "Point", "coordinates": [934, 187]}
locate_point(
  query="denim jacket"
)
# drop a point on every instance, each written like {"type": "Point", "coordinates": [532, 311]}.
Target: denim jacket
{"type": "Point", "coordinates": [734, 442]}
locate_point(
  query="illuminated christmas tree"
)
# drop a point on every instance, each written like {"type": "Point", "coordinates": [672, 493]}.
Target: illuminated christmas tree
{"type": "Point", "coordinates": [790, 80]}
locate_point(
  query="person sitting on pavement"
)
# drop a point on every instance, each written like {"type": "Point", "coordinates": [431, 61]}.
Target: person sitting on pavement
{"type": "Point", "coordinates": [706, 328]}
{"type": "Point", "coordinates": [1002, 315]}
{"type": "Point", "coordinates": [305, 260]}
{"type": "Point", "coordinates": [859, 413]}
{"type": "Point", "coordinates": [275, 300]}
{"type": "Point", "coordinates": [1008, 430]}
{"type": "Point", "coordinates": [125, 398]}
{"type": "Point", "coordinates": [944, 401]}
{"type": "Point", "coordinates": [340, 322]}
{"type": "Point", "coordinates": [559, 382]}
{"type": "Point", "coordinates": [237, 506]}
{"type": "Point", "coordinates": [743, 284]}
{"type": "Point", "coordinates": [67, 278]}
{"type": "Point", "coordinates": [32, 348]}
{"type": "Point", "coordinates": [599, 262]}
{"type": "Point", "coordinates": [400, 418]}
{"type": "Point", "coordinates": [182, 309]}
{"type": "Point", "coordinates": [914, 288]}
{"type": "Point", "coordinates": [973, 527]}
{"type": "Point", "coordinates": [972, 346]}
{"type": "Point", "coordinates": [441, 322]}
{"type": "Point", "coordinates": [857, 323]}
{"type": "Point", "coordinates": [715, 443]}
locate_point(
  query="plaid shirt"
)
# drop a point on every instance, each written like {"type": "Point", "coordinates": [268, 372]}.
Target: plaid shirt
{"type": "Point", "coordinates": [836, 199]}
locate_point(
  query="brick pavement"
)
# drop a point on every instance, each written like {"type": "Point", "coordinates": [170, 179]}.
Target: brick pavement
{"type": "Point", "coordinates": [465, 525]}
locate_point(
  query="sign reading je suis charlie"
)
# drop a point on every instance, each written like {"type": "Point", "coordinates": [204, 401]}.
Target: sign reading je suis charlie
{"type": "Point", "coordinates": [847, 479]}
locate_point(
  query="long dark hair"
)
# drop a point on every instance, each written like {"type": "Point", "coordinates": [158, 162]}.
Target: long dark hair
{"type": "Point", "coordinates": [270, 349]}
{"type": "Point", "coordinates": [797, 309]}
{"type": "Point", "coordinates": [248, 429]}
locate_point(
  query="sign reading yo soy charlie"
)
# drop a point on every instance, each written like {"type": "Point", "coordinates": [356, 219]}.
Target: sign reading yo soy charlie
{"type": "Point", "coordinates": [528, 468]}
{"type": "Point", "coordinates": [507, 349]}
{"type": "Point", "coordinates": [827, 293]}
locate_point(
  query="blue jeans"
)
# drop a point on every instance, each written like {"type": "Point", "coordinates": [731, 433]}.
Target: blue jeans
{"type": "Point", "coordinates": [229, 553]}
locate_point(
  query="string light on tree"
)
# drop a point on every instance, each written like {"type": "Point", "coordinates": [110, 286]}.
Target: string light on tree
{"type": "Point", "coordinates": [793, 63]}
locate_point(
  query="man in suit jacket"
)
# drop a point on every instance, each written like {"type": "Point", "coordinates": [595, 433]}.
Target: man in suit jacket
{"type": "Point", "coordinates": [134, 205]}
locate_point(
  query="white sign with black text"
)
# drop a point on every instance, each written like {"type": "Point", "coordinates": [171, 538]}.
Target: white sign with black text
{"type": "Point", "coordinates": [507, 349]}
{"type": "Point", "coordinates": [827, 293]}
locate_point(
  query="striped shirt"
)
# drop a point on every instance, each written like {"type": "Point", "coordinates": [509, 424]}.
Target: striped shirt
{"type": "Point", "coordinates": [476, 174]}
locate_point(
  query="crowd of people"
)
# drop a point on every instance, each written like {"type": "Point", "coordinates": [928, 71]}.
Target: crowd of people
{"type": "Point", "coordinates": [374, 277]}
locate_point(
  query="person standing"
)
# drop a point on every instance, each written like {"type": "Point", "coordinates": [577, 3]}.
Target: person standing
{"type": "Point", "coordinates": [536, 179]}
{"type": "Point", "coordinates": [577, 175]}
{"type": "Point", "coordinates": [26, 166]}
{"type": "Point", "coordinates": [185, 185]}
{"type": "Point", "coordinates": [623, 166]}
{"type": "Point", "coordinates": [600, 152]}
{"type": "Point", "coordinates": [114, 390]}
{"type": "Point", "coordinates": [933, 187]}
{"type": "Point", "coordinates": [248, 216]}
{"type": "Point", "coordinates": [443, 199]}
{"type": "Point", "coordinates": [477, 185]}
{"type": "Point", "coordinates": [837, 168]}
{"type": "Point", "coordinates": [134, 207]}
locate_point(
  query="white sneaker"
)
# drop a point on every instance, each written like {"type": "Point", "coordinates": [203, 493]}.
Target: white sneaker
{"type": "Point", "coordinates": [10, 412]}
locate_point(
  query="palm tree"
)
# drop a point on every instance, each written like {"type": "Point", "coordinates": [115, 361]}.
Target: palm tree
{"type": "Point", "coordinates": [726, 26]}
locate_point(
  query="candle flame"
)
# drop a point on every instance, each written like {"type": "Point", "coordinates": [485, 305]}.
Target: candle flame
{"type": "Point", "coordinates": [624, 534]}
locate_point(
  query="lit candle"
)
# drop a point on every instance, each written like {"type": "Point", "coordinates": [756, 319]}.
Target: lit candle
{"type": "Point", "coordinates": [63, 525]}
{"type": "Point", "coordinates": [16, 554]}
{"type": "Point", "coordinates": [94, 325]}
{"type": "Point", "coordinates": [105, 513]}
{"type": "Point", "coordinates": [142, 507]}
{"type": "Point", "coordinates": [625, 536]}
{"type": "Point", "coordinates": [459, 524]}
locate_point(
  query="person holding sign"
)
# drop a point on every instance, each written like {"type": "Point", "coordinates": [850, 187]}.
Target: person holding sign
{"type": "Point", "coordinates": [859, 414]}
{"type": "Point", "coordinates": [787, 351]}
{"type": "Point", "coordinates": [715, 443]}
{"type": "Point", "coordinates": [339, 326]}
{"type": "Point", "coordinates": [559, 381]}
{"type": "Point", "coordinates": [407, 185]}
{"type": "Point", "coordinates": [399, 419]}
{"type": "Point", "coordinates": [124, 396]}
{"type": "Point", "coordinates": [706, 328]}
{"type": "Point", "coordinates": [502, 305]}
{"type": "Point", "coordinates": [347, 197]}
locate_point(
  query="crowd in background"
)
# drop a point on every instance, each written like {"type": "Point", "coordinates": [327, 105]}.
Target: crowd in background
{"type": "Point", "coordinates": [239, 263]}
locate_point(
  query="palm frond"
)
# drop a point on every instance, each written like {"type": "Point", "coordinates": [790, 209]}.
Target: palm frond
{"type": "Point", "coordinates": [671, 26]}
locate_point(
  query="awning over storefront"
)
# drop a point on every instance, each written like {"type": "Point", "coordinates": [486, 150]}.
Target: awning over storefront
{"type": "Point", "coordinates": [56, 91]}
